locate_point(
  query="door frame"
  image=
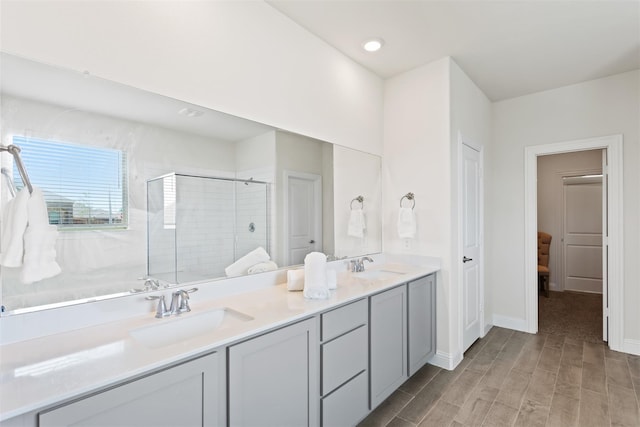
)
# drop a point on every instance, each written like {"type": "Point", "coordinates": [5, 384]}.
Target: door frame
{"type": "Point", "coordinates": [317, 197]}
{"type": "Point", "coordinates": [613, 242]}
{"type": "Point", "coordinates": [463, 140]}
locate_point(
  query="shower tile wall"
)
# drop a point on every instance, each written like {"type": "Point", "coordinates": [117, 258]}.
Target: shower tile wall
{"type": "Point", "coordinates": [161, 237]}
{"type": "Point", "coordinates": [199, 226]}
{"type": "Point", "coordinates": [205, 227]}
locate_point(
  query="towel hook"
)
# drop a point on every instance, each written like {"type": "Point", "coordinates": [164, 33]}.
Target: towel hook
{"type": "Point", "coordinates": [409, 196]}
{"type": "Point", "coordinates": [358, 199]}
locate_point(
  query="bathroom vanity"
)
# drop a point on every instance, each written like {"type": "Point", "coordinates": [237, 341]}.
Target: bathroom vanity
{"type": "Point", "coordinates": [288, 362]}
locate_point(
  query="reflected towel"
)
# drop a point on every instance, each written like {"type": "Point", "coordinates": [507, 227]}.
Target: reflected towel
{"type": "Point", "coordinates": [14, 225]}
{"type": "Point", "coordinates": [39, 242]}
{"type": "Point", "coordinates": [241, 266]}
{"type": "Point", "coordinates": [406, 223]}
{"type": "Point", "coordinates": [357, 224]}
{"type": "Point", "coordinates": [295, 280]}
{"type": "Point", "coordinates": [315, 276]}
{"type": "Point", "coordinates": [262, 267]}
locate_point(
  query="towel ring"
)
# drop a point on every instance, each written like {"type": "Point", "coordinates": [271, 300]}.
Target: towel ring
{"type": "Point", "coordinates": [358, 199]}
{"type": "Point", "coordinates": [409, 196]}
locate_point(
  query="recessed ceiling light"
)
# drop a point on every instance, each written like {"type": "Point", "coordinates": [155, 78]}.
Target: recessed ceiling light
{"type": "Point", "coordinates": [372, 45]}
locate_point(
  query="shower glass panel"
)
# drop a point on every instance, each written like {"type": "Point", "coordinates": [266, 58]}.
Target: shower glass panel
{"type": "Point", "coordinates": [197, 226]}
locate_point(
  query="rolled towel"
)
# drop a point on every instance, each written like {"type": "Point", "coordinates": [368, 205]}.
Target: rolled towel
{"type": "Point", "coordinates": [241, 266]}
{"type": "Point", "coordinates": [295, 280]}
{"type": "Point", "coordinates": [315, 276]}
{"type": "Point", "coordinates": [357, 224]}
{"type": "Point", "coordinates": [14, 226]}
{"type": "Point", "coordinates": [262, 267]}
{"type": "Point", "coordinates": [39, 242]}
{"type": "Point", "coordinates": [406, 223]}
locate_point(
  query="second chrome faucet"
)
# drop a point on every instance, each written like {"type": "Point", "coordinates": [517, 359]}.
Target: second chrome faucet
{"type": "Point", "coordinates": [179, 303]}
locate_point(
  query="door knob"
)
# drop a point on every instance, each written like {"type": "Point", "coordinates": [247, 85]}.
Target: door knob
{"type": "Point", "coordinates": [465, 259]}
{"type": "Point", "coordinates": [312, 241]}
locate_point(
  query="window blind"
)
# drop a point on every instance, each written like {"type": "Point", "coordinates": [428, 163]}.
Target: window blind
{"type": "Point", "coordinates": [83, 186]}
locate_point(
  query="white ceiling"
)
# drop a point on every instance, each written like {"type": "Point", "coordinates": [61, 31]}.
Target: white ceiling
{"type": "Point", "coordinates": [508, 48]}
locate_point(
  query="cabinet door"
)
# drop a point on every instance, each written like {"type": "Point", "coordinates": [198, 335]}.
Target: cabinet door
{"type": "Point", "coordinates": [273, 379]}
{"type": "Point", "coordinates": [422, 322]}
{"type": "Point", "coordinates": [388, 329]}
{"type": "Point", "coordinates": [190, 394]}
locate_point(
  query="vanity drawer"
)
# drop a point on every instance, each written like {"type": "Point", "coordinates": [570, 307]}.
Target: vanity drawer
{"type": "Point", "coordinates": [344, 319]}
{"type": "Point", "coordinates": [344, 358]}
{"type": "Point", "coordinates": [348, 404]}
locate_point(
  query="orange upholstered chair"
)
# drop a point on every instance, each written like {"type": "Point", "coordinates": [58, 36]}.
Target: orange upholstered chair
{"type": "Point", "coordinates": [544, 242]}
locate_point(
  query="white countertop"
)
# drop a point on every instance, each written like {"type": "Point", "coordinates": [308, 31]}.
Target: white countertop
{"type": "Point", "coordinates": [43, 371]}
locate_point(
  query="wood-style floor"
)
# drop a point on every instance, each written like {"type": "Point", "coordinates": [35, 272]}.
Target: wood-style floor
{"type": "Point", "coordinates": [512, 378]}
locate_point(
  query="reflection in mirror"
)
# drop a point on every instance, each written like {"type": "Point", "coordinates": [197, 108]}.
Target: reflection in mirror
{"type": "Point", "coordinates": [198, 226]}
{"type": "Point", "coordinates": [105, 245]}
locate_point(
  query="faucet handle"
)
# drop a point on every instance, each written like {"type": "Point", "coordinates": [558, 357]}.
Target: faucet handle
{"type": "Point", "coordinates": [161, 311]}
{"type": "Point", "coordinates": [184, 303]}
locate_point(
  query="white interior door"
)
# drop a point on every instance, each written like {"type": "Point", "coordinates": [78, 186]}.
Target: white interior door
{"type": "Point", "coordinates": [471, 229]}
{"type": "Point", "coordinates": [304, 217]}
{"type": "Point", "coordinates": [605, 246]}
{"type": "Point", "coordinates": [582, 240]}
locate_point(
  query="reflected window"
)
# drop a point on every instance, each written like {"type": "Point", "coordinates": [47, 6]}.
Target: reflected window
{"type": "Point", "coordinates": [84, 187]}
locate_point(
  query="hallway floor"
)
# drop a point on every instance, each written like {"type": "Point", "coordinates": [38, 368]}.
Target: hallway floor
{"type": "Point", "coordinates": [512, 378]}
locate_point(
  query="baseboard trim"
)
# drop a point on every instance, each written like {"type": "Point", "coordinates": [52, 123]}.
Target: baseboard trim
{"type": "Point", "coordinates": [446, 360]}
{"type": "Point", "coordinates": [487, 328]}
{"type": "Point", "coordinates": [510, 323]}
{"type": "Point", "coordinates": [631, 346]}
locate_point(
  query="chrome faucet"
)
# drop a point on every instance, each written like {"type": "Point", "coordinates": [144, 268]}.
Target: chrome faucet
{"type": "Point", "coordinates": [179, 303]}
{"type": "Point", "coordinates": [150, 284]}
{"type": "Point", "coordinates": [357, 265]}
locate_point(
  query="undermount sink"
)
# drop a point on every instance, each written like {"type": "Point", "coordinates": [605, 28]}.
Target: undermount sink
{"type": "Point", "coordinates": [377, 274]}
{"type": "Point", "coordinates": [186, 326]}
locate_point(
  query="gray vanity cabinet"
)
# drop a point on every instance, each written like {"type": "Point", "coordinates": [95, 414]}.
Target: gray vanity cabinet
{"type": "Point", "coordinates": [388, 342]}
{"type": "Point", "coordinates": [273, 378]}
{"type": "Point", "coordinates": [189, 394]}
{"type": "Point", "coordinates": [344, 360]}
{"type": "Point", "coordinates": [422, 321]}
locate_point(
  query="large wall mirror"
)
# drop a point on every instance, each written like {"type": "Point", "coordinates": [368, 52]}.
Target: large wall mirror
{"type": "Point", "coordinates": [140, 184]}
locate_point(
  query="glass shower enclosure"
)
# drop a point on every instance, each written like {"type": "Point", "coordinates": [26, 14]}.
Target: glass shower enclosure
{"type": "Point", "coordinates": [197, 225]}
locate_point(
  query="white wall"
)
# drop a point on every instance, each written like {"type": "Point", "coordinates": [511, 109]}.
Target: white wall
{"type": "Point", "coordinates": [551, 169]}
{"type": "Point", "coordinates": [595, 108]}
{"type": "Point", "coordinates": [417, 158]}
{"type": "Point", "coordinates": [425, 110]}
{"type": "Point", "coordinates": [243, 58]}
{"type": "Point", "coordinates": [471, 120]}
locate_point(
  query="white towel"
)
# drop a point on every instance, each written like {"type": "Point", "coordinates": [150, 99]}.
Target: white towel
{"type": "Point", "coordinates": [241, 266]}
{"type": "Point", "coordinates": [14, 225]}
{"type": "Point", "coordinates": [315, 276]}
{"type": "Point", "coordinates": [357, 224]}
{"type": "Point", "coordinates": [332, 279]}
{"type": "Point", "coordinates": [295, 280]}
{"type": "Point", "coordinates": [406, 223]}
{"type": "Point", "coordinates": [28, 241]}
{"type": "Point", "coordinates": [262, 267]}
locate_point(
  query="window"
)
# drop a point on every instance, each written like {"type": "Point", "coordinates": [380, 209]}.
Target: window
{"type": "Point", "coordinates": [84, 187]}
